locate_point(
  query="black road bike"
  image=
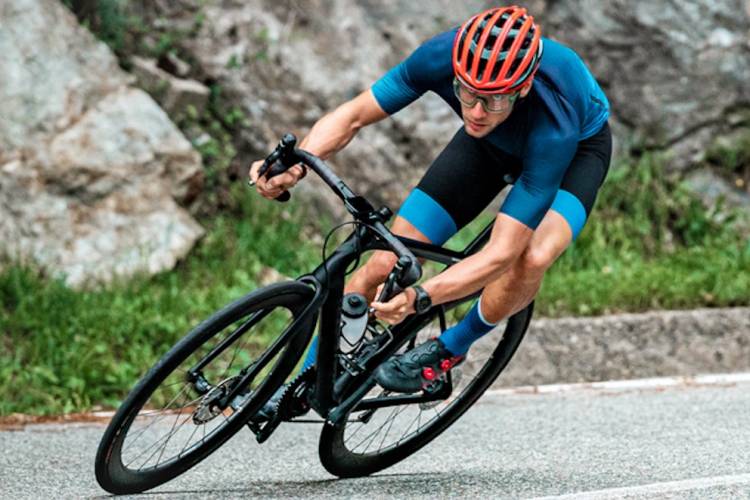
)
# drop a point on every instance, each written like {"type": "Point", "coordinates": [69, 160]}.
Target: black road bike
{"type": "Point", "coordinates": [215, 380]}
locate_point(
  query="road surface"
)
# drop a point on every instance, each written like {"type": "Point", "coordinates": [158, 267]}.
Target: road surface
{"type": "Point", "coordinates": [651, 441]}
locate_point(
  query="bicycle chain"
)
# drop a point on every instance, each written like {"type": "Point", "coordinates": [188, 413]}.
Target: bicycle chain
{"type": "Point", "coordinates": [284, 407]}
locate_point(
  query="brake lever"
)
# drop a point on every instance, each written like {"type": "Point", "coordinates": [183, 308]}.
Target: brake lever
{"type": "Point", "coordinates": [270, 160]}
{"type": "Point", "coordinates": [281, 156]}
{"type": "Point", "coordinates": [390, 287]}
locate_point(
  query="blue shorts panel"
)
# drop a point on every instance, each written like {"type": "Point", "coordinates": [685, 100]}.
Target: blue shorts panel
{"type": "Point", "coordinates": [572, 210]}
{"type": "Point", "coordinates": [428, 216]}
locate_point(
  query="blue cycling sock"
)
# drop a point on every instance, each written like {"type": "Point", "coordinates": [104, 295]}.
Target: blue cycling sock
{"type": "Point", "coordinates": [458, 339]}
{"type": "Point", "coordinates": [312, 353]}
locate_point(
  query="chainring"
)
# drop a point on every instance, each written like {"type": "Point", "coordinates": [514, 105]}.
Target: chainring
{"type": "Point", "coordinates": [293, 400]}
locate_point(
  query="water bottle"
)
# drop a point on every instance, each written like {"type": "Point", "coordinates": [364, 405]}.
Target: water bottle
{"type": "Point", "coordinates": [353, 321]}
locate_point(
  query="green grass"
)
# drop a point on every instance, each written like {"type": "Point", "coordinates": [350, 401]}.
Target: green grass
{"type": "Point", "coordinates": [648, 245]}
{"type": "Point", "coordinates": [66, 350]}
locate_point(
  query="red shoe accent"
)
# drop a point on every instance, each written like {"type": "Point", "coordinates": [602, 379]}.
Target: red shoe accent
{"type": "Point", "coordinates": [447, 364]}
{"type": "Point", "coordinates": [429, 374]}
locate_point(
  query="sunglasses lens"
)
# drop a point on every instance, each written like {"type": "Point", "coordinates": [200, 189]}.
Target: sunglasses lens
{"type": "Point", "coordinates": [490, 103]}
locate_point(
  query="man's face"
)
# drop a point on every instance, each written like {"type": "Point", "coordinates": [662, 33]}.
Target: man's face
{"type": "Point", "coordinates": [478, 121]}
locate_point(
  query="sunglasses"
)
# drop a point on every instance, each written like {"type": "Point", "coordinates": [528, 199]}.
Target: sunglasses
{"type": "Point", "coordinates": [491, 103]}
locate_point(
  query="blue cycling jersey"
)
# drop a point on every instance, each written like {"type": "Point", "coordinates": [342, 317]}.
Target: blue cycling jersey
{"type": "Point", "coordinates": [565, 106]}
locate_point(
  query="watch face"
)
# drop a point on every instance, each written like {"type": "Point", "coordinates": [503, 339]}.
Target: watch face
{"type": "Point", "coordinates": [423, 303]}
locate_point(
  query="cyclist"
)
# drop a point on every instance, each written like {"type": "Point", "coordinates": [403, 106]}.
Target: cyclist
{"type": "Point", "coordinates": [533, 112]}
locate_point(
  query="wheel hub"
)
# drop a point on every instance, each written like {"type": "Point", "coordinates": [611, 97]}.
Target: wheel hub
{"type": "Point", "coordinates": [208, 408]}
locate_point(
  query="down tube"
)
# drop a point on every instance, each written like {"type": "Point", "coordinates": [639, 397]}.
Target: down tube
{"type": "Point", "coordinates": [332, 274]}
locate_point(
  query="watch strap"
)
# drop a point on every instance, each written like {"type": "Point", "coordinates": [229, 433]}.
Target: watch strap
{"type": "Point", "coordinates": [422, 300]}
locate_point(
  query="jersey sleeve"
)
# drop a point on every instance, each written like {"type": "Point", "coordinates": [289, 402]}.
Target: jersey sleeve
{"type": "Point", "coordinates": [429, 64]}
{"type": "Point", "coordinates": [395, 90]}
{"type": "Point", "coordinates": [536, 188]}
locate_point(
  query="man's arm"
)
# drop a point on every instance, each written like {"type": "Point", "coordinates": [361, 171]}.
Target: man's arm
{"type": "Point", "coordinates": [329, 135]}
{"type": "Point", "coordinates": [508, 241]}
{"type": "Point", "coordinates": [336, 129]}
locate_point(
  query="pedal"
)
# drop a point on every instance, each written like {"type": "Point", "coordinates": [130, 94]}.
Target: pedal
{"type": "Point", "coordinates": [290, 404]}
{"type": "Point", "coordinates": [265, 432]}
{"type": "Point", "coordinates": [441, 388]}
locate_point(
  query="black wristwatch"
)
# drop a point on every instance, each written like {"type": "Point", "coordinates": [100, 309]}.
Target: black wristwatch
{"type": "Point", "coordinates": [422, 302]}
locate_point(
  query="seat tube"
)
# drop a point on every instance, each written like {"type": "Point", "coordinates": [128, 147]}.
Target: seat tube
{"type": "Point", "coordinates": [328, 337]}
{"type": "Point", "coordinates": [332, 274]}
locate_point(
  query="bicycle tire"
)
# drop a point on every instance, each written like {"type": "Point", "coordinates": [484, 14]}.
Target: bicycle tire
{"type": "Point", "coordinates": [341, 461]}
{"type": "Point", "coordinates": [278, 300]}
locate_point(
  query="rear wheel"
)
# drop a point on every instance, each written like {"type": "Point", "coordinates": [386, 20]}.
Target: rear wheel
{"type": "Point", "coordinates": [369, 441]}
{"type": "Point", "coordinates": [177, 414]}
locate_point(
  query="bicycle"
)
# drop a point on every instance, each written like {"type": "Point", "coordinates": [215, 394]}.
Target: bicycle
{"type": "Point", "coordinates": [214, 380]}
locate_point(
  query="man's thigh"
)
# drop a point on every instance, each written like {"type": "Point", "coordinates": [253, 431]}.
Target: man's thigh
{"type": "Point", "coordinates": [580, 186]}
{"type": "Point", "coordinates": [460, 183]}
{"type": "Point", "coordinates": [573, 203]}
{"type": "Point", "coordinates": [551, 238]}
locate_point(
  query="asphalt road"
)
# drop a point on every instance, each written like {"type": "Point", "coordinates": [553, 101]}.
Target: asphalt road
{"type": "Point", "coordinates": [678, 442]}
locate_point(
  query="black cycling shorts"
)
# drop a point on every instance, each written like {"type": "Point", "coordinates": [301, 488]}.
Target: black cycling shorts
{"type": "Point", "coordinates": [469, 173]}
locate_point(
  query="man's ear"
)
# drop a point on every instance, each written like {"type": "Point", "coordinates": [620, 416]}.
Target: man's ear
{"type": "Point", "coordinates": [526, 88]}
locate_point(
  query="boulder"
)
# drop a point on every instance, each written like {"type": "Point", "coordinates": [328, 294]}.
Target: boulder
{"type": "Point", "coordinates": [174, 94]}
{"type": "Point", "coordinates": [183, 94]}
{"type": "Point", "coordinates": [92, 171]}
{"type": "Point", "coordinates": [712, 189]}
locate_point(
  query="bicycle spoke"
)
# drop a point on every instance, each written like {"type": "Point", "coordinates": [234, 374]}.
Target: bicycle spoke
{"type": "Point", "coordinates": [387, 431]}
{"type": "Point", "coordinates": [163, 415]}
{"type": "Point", "coordinates": [172, 431]}
{"type": "Point", "coordinates": [156, 444]}
{"type": "Point", "coordinates": [406, 432]}
{"type": "Point", "coordinates": [166, 442]}
{"type": "Point", "coordinates": [195, 429]}
{"type": "Point", "coordinates": [147, 413]}
{"type": "Point", "coordinates": [237, 349]}
{"type": "Point", "coordinates": [362, 425]}
{"type": "Point", "coordinates": [398, 411]}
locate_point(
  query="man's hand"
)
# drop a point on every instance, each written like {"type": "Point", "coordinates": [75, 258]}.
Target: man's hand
{"type": "Point", "coordinates": [272, 188]}
{"type": "Point", "coordinates": [395, 310]}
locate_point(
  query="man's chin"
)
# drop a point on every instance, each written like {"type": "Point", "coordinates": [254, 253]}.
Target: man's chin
{"type": "Point", "coordinates": [477, 132]}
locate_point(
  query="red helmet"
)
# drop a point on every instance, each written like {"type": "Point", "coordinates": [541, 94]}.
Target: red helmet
{"type": "Point", "coordinates": [497, 51]}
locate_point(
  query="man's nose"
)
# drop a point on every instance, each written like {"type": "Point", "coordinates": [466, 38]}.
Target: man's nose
{"type": "Point", "coordinates": [477, 111]}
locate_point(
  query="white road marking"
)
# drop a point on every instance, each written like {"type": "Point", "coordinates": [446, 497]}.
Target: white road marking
{"type": "Point", "coordinates": [656, 488]}
{"type": "Point", "coordinates": [629, 385]}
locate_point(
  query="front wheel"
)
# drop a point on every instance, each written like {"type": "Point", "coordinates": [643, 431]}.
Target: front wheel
{"type": "Point", "coordinates": [178, 413]}
{"type": "Point", "coordinates": [367, 441]}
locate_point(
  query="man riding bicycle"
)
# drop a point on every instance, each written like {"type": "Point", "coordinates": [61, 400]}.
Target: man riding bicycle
{"type": "Point", "coordinates": [532, 112]}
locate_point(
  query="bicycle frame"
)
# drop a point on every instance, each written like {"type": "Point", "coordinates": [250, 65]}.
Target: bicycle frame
{"type": "Point", "coordinates": [328, 281]}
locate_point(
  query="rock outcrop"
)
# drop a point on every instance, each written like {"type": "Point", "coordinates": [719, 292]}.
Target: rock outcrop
{"type": "Point", "coordinates": [676, 74]}
{"type": "Point", "coordinates": [92, 170]}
